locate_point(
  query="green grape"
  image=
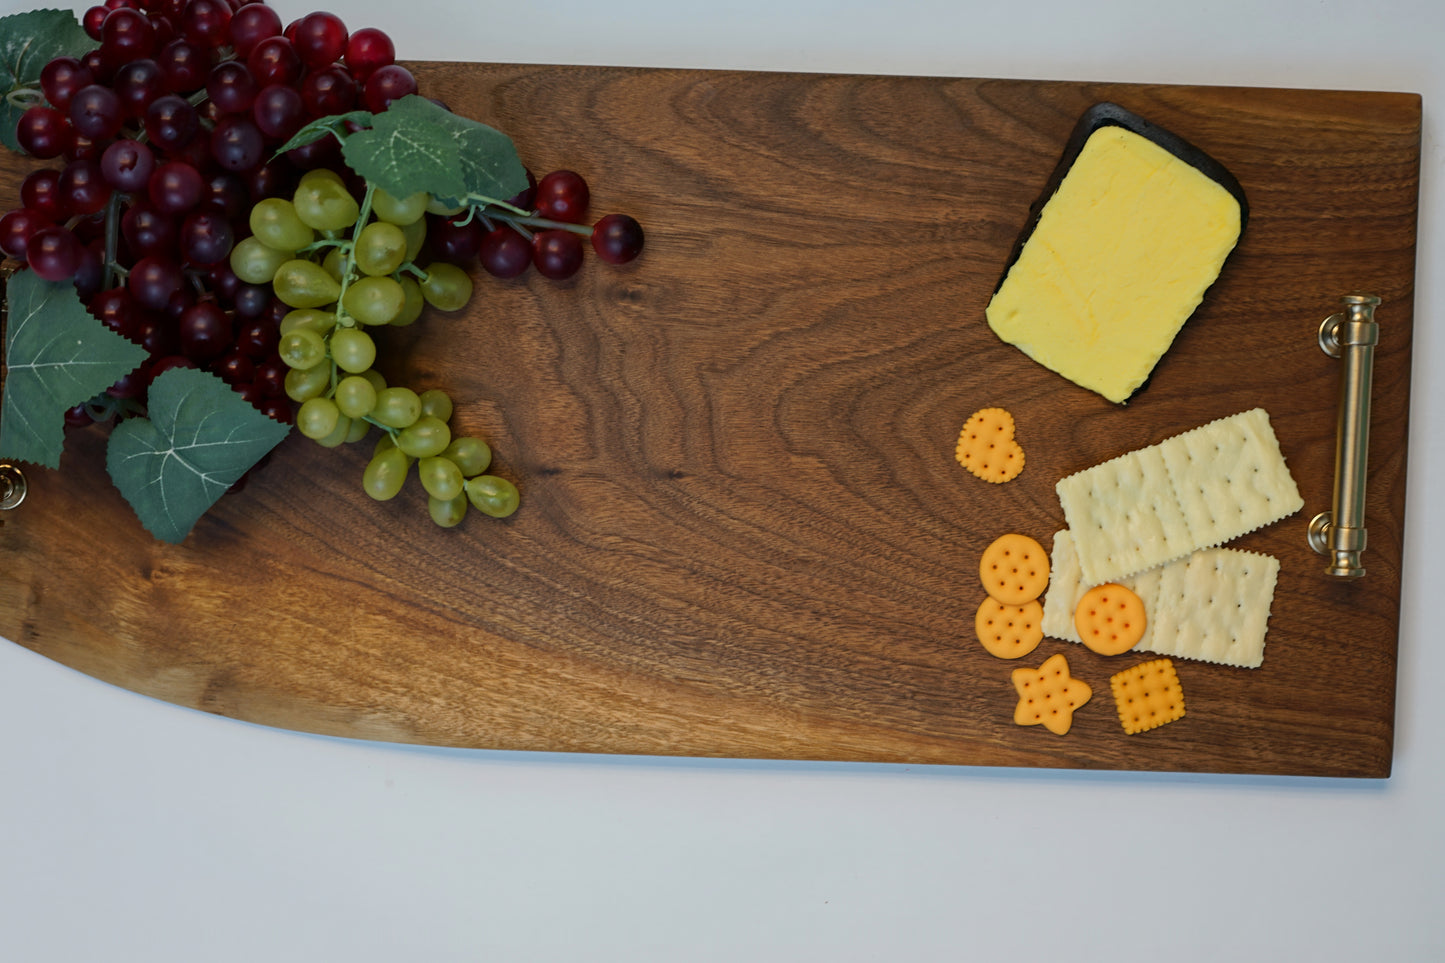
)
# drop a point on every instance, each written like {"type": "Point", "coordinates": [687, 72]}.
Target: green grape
{"type": "Point", "coordinates": [305, 284]}
{"type": "Point", "coordinates": [444, 208]}
{"type": "Point", "coordinates": [339, 434]}
{"type": "Point", "coordinates": [492, 495]}
{"type": "Point", "coordinates": [385, 474]}
{"type": "Point", "coordinates": [397, 407]}
{"type": "Point", "coordinates": [335, 263]}
{"type": "Point", "coordinates": [387, 442]}
{"type": "Point", "coordinates": [446, 287]}
{"type": "Point", "coordinates": [425, 437]}
{"type": "Point", "coordinates": [323, 202]}
{"type": "Point", "coordinates": [412, 303]}
{"type": "Point", "coordinates": [254, 262]}
{"type": "Point", "coordinates": [380, 248]}
{"type": "Point", "coordinates": [275, 224]}
{"type": "Point", "coordinates": [355, 396]}
{"type": "Point", "coordinates": [399, 211]}
{"type": "Point", "coordinates": [301, 348]}
{"type": "Point", "coordinates": [317, 417]}
{"type": "Point", "coordinates": [359, 428]}
{"type": "Point", "coordinates": [415, 237]}
{"type": "Point", "coordinates": [472, 455]}
{"type": "Point", "coordinates": [303, 384]}
{"type": "Point", "coordinates": [449, 513]}
{"type": "Point", "coordinates": [317, 320]}
{"type": "Point", "coordinates": [436, 403]}
{"type": "Point", "coordinates": [441, 477]}
{"type": "Point", "coordinates": [375, 377]}
{"type": "Point", "coordinates": [352, 349]}
{"type": "Point", "coordinates": [374, 301]}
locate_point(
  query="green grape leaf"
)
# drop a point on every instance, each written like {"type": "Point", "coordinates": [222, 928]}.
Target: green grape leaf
{"type": "Point", "coordinates": [415, 145]}
{"type": "Point", "coordinates": [56, 356]}
{"type": "Point", "coordinates": [199, 439]}
{"type": "Point", "coordinates": [29, 41]}
{"type": "Point", "coordinates": [322, 126]}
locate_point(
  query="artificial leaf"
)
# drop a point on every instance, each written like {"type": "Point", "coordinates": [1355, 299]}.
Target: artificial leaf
{"type": "Point", "coordinates": [199, 439]}
{"type": "Point", "coordinates": [29, 41]}
{"type": "Point", "coordinates": [56, 356]}
{"type": "Point", "coordinates": [415, 145]}
{"type": "Point", "coordinates": [490, 168]}
{"type": "Point", "coordinates": [324, 126]}
{"type": "Point", "coordinates": [402, 156]}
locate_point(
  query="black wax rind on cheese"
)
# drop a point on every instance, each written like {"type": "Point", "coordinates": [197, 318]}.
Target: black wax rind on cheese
{"type": "Point", "coordinates": [1109, 114]}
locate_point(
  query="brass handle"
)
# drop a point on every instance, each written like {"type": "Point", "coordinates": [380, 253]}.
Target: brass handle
{"type": "Point", "coordinates": [1350, 335]}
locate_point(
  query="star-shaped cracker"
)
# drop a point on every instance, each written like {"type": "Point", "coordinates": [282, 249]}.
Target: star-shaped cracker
{"type": "Point", "coordinates": [1048, 695]}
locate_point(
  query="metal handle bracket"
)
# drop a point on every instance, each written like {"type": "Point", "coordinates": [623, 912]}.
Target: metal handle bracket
{"type": "Point", "coordinates": [1350, 335]}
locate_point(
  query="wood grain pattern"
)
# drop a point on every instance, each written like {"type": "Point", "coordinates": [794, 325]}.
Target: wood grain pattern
{"type": "Point", "coordinates": [743, 532]}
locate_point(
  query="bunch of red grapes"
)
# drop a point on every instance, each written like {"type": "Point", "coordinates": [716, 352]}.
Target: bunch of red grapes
{"type": "Point", "coordinates": [165, 137]}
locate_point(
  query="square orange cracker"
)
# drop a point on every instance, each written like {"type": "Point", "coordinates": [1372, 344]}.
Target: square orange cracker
{"type": "Point", "coordinates": [986, 446]}
{"type": "Point", "coordinates": [1048, 695]}
{"type": "Point", "coordinates": [1147, 695]}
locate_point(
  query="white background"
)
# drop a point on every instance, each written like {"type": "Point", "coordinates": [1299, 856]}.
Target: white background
{"type": "Point", "coordinates": [135, 830]}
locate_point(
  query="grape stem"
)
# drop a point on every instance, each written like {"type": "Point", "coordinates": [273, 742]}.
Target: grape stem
{"type": "Point", "coordinates": [24, 98]}
{"type": "Point", "coordinates": [349, 247]}
{"type": "Point", "coordinates": [112, 238]}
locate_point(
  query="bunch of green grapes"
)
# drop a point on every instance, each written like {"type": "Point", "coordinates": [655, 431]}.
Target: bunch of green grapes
{"type": "Point", "coordinates": [345, 267]}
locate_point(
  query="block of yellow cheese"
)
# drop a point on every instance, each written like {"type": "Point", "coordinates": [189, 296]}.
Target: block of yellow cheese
{"type": "Point", "coordinates": [1119, 258]}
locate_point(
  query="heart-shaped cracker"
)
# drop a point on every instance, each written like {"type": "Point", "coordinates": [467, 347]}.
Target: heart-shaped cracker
{"type": "Point", "coordinates": [986, 446]}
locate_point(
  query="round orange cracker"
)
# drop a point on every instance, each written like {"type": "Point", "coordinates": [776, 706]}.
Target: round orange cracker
{"type": "Point", "coordinates": [1009, 631]}
{"type": "Point", "coordinates": [986, 446]}
{"type": "Point", "coordinates": [1110, 619]}
{"type": "Point", "coordinates": [1014, 569]}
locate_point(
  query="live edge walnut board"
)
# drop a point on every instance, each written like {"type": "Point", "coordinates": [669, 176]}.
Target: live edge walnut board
{"type": "Point", "coordinates": [743, 532]}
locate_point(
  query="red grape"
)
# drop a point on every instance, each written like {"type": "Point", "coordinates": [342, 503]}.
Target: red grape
{"type": "Point", "coordinates": [185, 66]}
{"type": "Point", "coordinates": [329, 91]}
{"type": "Point", "coordinates": [127, 165]}
{"type": "Point", "coordinates": [126, 35]}
{"type": "Point", "coordinates": [93, 20]}
{"type": "Point", "coordinates": [238, 146]}
{"type": "Point", "coordinates": [557, 254]}
{"type": "Point", "coordinates": [53, 253]}
{"type": "Point", "coordinates": [115, 309]}
{"type": "Point", "coordinates": [147, 231]}
{"type": "Point", "coordinates": [278, 111]}
{"type": "Point", "coordinates": [386, 84]}
{"type": "Point", "coordinates": [171, 122]}
{"type": "Point", "coordinates": [231, 87]}
{"type": "Point", "coordinates": [454, 243]}
{"type": "Point", "coordinates": [138, 84]}
{"type": "Point", "coordinates": [83, 188]}
{"type": "Point", "coordinates": [617, 238]}
{"type": "Point", "coordinates": [205, 331]}
{"type": "Point", "coordinates": [250, 25]}
{"type": "Point", "coordinates": [40, 191]}
{"type": "Point", "coordinates": [206, 239]}
{"type": "Point", "coordinates": [43, 132]}
{"type": "Point", "coordinates": [61, 78]}
{"type": "Point", "coordinates": [504, 252]}
{"type": "Point", "coordinates": [563, 196]}
{"type": "Point", "coordinates": [95, 112]}
{"type": "Point", "coordinates": [235, 369]}
{"type": "Point", "coordinates": [153, 280]}
{"type": "Point", "coordinates": [320, 39]}
{"type": "Point", "coordinates": [367, 50]}
{"type": "Point", "coordinates": [175, 187]}
{"type": "Point", "coordinates": [207, 23]}
{"type": "Point", "coordinates": [274, 61]}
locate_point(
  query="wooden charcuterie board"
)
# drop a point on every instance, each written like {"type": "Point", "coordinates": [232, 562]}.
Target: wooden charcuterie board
{"type": "Point", "coordinates": [743, 532]}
